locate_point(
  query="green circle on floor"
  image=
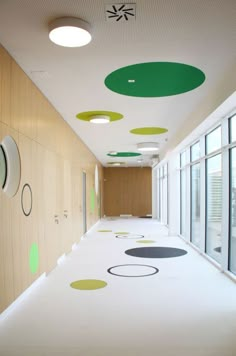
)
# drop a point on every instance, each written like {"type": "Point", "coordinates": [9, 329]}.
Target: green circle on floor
{"type": "Point", "coordinates": [87, 115]}
{"type": "Point", "coordinates": [146, 241]}
{"type": "Point", "coordinates": [154, 79]}
{"type": "Point", "coordinates": [124, 154]}
{"type": "Point", "coordinates": [34, 258]}
{"type": "Point", "coordinates": [88, 284]}
{"type": "Point", "coordinates": [148, 131]}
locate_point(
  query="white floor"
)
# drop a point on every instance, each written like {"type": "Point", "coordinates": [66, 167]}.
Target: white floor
{"type": "Point", "coordinates": [187, 309]}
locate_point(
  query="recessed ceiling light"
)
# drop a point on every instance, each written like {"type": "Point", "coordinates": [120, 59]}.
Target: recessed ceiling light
{"type": "Point", "coordinates": [131, 81]}
{"type": "Point", "coordinates": [113, 153]}
{"type": "Point", "coordinates": [148, 146]}
{"type": "Point", "coordinates": [69, 32]}
{"type": "Point", "coordinates": [100, 119]}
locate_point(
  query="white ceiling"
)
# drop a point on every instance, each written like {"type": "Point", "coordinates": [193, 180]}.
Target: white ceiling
{"type": "Point", "coordinates": [201, 33]}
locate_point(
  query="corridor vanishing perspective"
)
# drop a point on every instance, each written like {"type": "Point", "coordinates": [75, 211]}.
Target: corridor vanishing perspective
{"type": "Point", "coordinates": [126, 289]}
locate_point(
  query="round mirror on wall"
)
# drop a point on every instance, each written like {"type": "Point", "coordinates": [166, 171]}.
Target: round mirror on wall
{"type": "Point", "coordinates": [9, 166]}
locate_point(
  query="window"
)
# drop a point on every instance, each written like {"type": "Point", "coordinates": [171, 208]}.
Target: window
{"type": "Point", "coordinates": [195, 204]}
{"type": "Point", "coordinates": [233, 128]}
{"type": "Point", "coordinates": [213, 140]}
{"type": "Point", "coordinates": [232, 241]}
{"type": "Point", "coordinates": [213, 207]}
{"type": "Point", "coordinates": [183, 194]}
{"type": "Point", "coordinates": [195, 151]}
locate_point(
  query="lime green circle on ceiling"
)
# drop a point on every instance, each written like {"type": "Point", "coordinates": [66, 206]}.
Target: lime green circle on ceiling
{"type": "Point", "coordinates": [145, 241]}
{"type": "Point", "coordinates": [148, 131]}
{"type": "Point", "coordinates": [104, 230]}
{"type": "Point", "coordinates": [87, 115]}
{"type": "Point", "coordinates": [34, 258]}
{"type": "Point", "coordinates": [154, 79]}
{"type": "Point", "coordinates": [88, 284]}
{"type": "Point", "coordinates": [124, 154]}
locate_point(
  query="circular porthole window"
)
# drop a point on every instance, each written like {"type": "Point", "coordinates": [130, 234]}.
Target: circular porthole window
{"type": "Point", "coordinates": [9, 166]}
{"type": "Point", "coordinates": [3, 167]}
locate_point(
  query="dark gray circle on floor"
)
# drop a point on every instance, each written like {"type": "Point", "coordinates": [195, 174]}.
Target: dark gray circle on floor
{"type": "Point", "coordinates": [156, 252]}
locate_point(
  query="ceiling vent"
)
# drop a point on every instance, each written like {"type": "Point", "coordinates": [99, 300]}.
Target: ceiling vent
{"type": "Point", "coordinates": [120, 12]}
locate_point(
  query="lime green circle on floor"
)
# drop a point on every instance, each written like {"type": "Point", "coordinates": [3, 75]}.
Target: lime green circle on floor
{"type": "Point", "coordinates": [121, 233]}
{"type": "Point", "coordinates": [104, 230]}
{"type": "Point", "coordinates": [88, 284]}
{"type": "Point", "coordinates": [146, 241]}
{"type": "Point", "coordinates": [87, 115]}
{"type": "Point", "coordinates": [124, 154]}
{"type": "Point", "coordinates": [148, 131]}
{"type": "Point", "coordinates": [154, 79]}
{"type": "Point", "coordinates": [34, 258]}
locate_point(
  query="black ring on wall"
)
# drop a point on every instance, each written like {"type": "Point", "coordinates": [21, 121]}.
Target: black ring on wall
{"type": "Point", "coordinates": [156, 270]}
{"type": "Point", "coordinates": [5, 159]}
{"type": "Point", "coordinates": [22, 193]}
{"type": "Point", "coordinates": [125, 236]}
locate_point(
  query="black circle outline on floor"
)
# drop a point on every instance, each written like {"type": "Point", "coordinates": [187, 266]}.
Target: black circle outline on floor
{"type": "Point", "coordinates": [128, 236]}
{"type": "Point", "coordinates": [31, 200]}
{"type": "Point", "coordinates": [131, 264]}
{"type": "Point", "coordinates": [156, 248]}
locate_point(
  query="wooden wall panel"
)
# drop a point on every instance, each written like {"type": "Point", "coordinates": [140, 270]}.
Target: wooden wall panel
{"type": "Point", "coordinates": [52, 162]}
{"type": "Point", "coordinates": [127, 191]}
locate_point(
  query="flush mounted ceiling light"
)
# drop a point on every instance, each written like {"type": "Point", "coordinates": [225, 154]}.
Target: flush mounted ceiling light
{"type": "Point", "coordinates": [113, 153]}
{"type": "Point", "coordinates": [99, 119]}
{"type": "Point", "coordinates": [69, 32]}
{"type": "Point", "coordinates": [147, 146]}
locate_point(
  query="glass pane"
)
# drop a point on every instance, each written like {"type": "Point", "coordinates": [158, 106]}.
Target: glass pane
{"type": "Point", "coordinates": [3, 168]}
{"type": "Point", "coordinates": [213, 207]}
{"type": "Point", "coordinates": [232, 259]}
{"type": "Point", "coordinates": [233, 128]}
{"type": "Point", "coordinates": [213, 140]}
{"type": "Point", "coordinates": [182, 202]}
{"type": "Point", "coordinates": [195, 204]}
{"type": "Point", "coordinates": [195, 151]}
{"type": "Point", "coordinates": [183, 159]}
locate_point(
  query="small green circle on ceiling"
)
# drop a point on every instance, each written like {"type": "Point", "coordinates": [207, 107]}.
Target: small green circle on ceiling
{"type": "Point", "coordinates": [154, 79]}
{"type": "Point", "coordinates": [148, 131]}
{"type": "Point", "coordinates": [88, 284]}
{"type": "Point", "coordinates": [104, 230]}
{"type": "Point", "coordinates": [87, 115]}
{"type": "Point", "coordinates": [124, 154]}
{"type": "Point", "coordinates": [146, 241]}
{"type": "Point", "coordinates": [34, 258]}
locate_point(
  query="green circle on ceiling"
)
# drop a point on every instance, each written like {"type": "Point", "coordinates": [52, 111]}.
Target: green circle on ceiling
{"type": "Point", "coordinates": [34, 258]}
{"type": "Point", "coordinates": [146, 241]}
{"type": "Point", "coordinates": [148, 131]}
{"type": "Point", "coordinates": [124, 154]}
{"type": "Point", "coordinates": [88, 284]}
{"type": "Point", "coordinates": [154, 79]}
{"type": "Point", "coordinates": [86, 115]}
{"type": "Point", "coordinates": [104, 230]}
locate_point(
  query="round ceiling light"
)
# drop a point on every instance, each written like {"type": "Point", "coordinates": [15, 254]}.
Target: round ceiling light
{"type": "Point", "coordinates": [100, 119]}
{"type": "Point", "coordinates": [148, 146]}
{"type": "Point", "coordinates": [69, 32]}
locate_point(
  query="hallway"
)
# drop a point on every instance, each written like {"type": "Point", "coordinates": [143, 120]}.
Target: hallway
{"type": "Point", "coordinates": [187, 308]}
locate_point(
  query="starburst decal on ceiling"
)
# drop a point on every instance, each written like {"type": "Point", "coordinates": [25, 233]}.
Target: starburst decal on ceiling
{"type": "Point", "coordinates": [120, 12]}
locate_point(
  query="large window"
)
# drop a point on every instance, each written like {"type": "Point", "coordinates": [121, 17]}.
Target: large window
{"type": "Point", "coordinates": [195, 204]}
{"type": "Point", "coordinates": [213, 207]}
{"type": "Point", "coordinates": [232, 200]}
{"type": "Point", "coordinates": [213, 140]}
{"type": "Point", "coordinates": [183, 194]}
